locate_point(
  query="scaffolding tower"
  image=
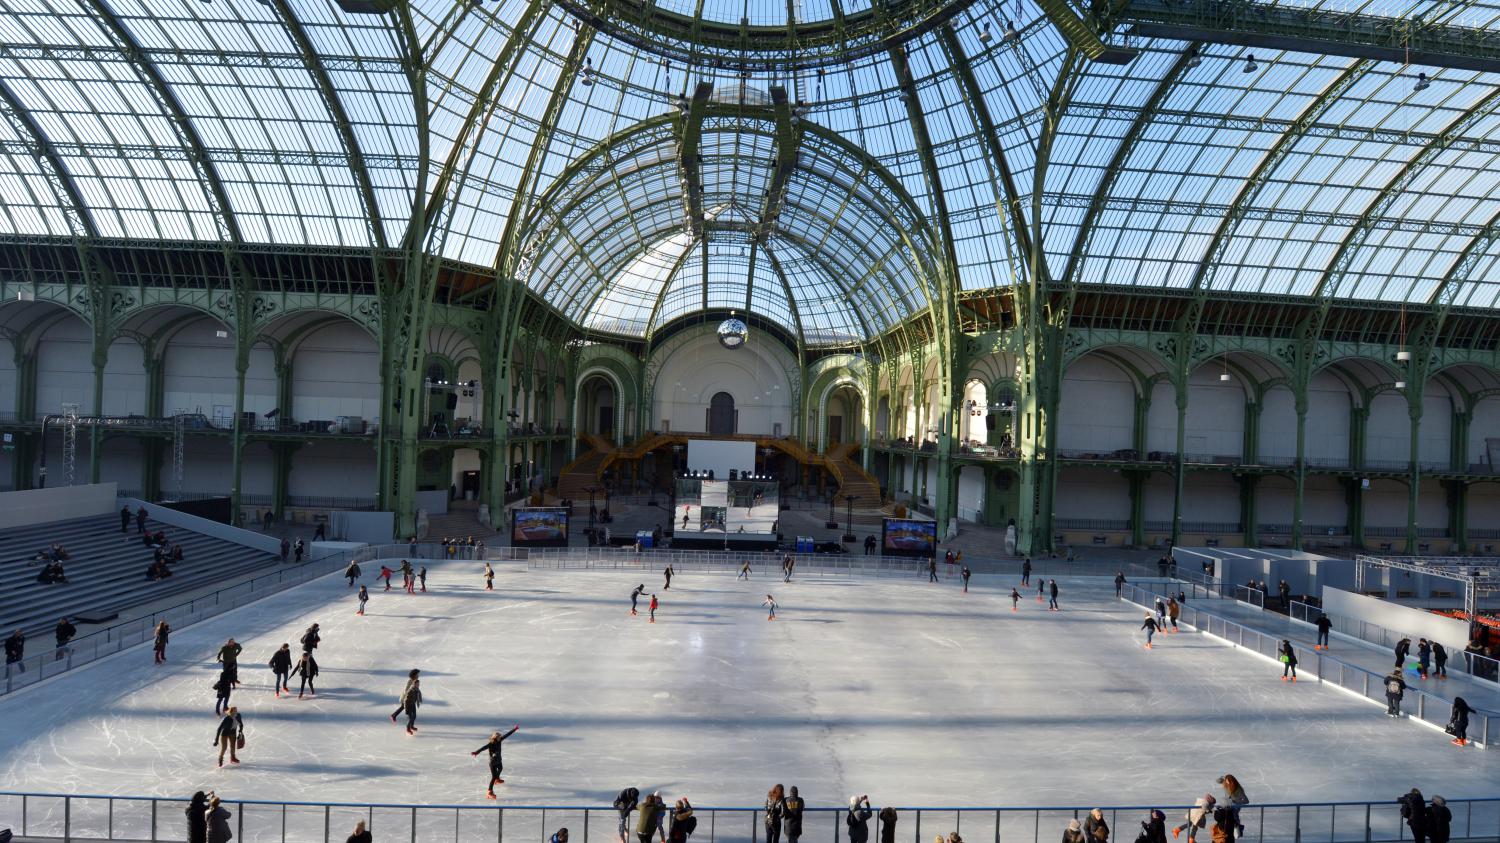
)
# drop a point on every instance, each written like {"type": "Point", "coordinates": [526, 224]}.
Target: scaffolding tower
{"type": "Point", "coordinates": [70, 442]}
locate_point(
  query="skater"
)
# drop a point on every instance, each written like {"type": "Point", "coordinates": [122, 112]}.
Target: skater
{"type": "Point", "coordinates": [1424, 657]}
{"type": "Point", "coordinates": [385, 574]}
{"type": "Point", "coordinates": [635, 597]}
{"type": "Point", "coordinates": [1161, 613]}
{"type": "Point", "coordinates": [229, 656]}
{"type": "Point", "coordinates": [230, 736]}
{"type": "Point", "coordinates": [221, 693]}
{"type": "Point", "coordinates": [159, 642]}
{"type": "Point", "coordinates": [1288, 658]}
{"type": "Point", "coordinates": [64, 633]}
{"type": "Point", "coordinates": [408, 577]}
{"type": "Point", "coordinates": [744, 572]}
{"type": "Point", "coordinates": [364, 597]}
{"type": "Point", "coordinates": [1237, 799]}
{"type": "Point", "coordinates": [667, 576]}
{"type": "Point", "coordinates": [360, 834]}
{"type": "Point", "coordinates": [1052, 592]}
{"type": "Point", "coordinates": [1041, 590]}
{"type": "Point", "coordinates": [1395, 689]}
{"type": "Point", "coordinates": [1119, 583]}
{"type": "Point", "coordinates": [307, 668]}
{"type": "Point", "coordinates": [409, 702]}
{"type": "Point", "coordinates": [1458, 721]}
{"type": "Point", "coordinates": [124, 519]}
{"type": "Point", "coordinates": [422, 578]}
{"type": "Point", "coordinates": [411, 681]}
{"type": "Point", "coordinates": [624, 804]}
{"type": "Point", "coordinates": [1414, 811]}
{"type": "Point", "coordinates": [770, 603]}
{"type": "Point", "coordinates": [652, 608]}
{"type": "Point", "coordinates": [1026, 572]}
{"type": "Point", "coordinates": [1402, 648]}
{"type": "Point", "coordinates": [352, 572]}
{"type": "Point", "coordinates": [1174, 611]}
{"type": "Point", "coordinates": [1439, 660]}
{"type": "Point", "coordinates": [298, 549]}
{"type": "Point", "coordinates": [1324, 625]}
{"type": "Point", "coordinates": [311, 638]}
{"type": "Point", "coordinates": [791, 816]}
{"type": "Point", "coordinates": [1197, 817]}
{"type": "Point", "coordinates": [932, 569]}
{"type": "Point", "coordinates": [281, 668]}
{"type": "Point", "coordinates": [216, 819]}
{"type": "Point", "coordinates": [197, 809]}
{"type": "Point", "coordinates": [1150, 625]}
{"type": "Point", "coordinates": [489, 577]}
{"type": "Point", "coordinates": [496, 762]}
{"type": "Point", "coordinates": [1439, 821]}
{"type": "Point", "coordinates": [775, 810]}
{"type": "Point", "coordinates": [1015, 600]}
{"type": "Point", "coordinates": [966, 573]}
{"type": "Point", "coordinates": [857, 821]}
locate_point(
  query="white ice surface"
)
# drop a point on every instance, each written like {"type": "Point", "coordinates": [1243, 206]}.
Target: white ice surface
{"type": "Point", "coordinates": [913, 693]}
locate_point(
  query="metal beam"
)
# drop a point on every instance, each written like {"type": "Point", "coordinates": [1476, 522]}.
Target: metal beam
{"type": "Point", "coordinates": [689, 159]}
{"type": "Point", "coordinates": [151, 152]}
{"type": "Point", "coordinates": [96, 53]}
{"type": "Point", "coordinates": [1082, 35]}
{"type": "Point", "coordinates": [1462, 271]}
{"type": "Point", "coordinates": [65, 190]}
{"type": "Point", "coordinates": [785, 163]}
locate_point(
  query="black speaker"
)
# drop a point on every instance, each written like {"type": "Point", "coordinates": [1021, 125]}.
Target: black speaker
{"type": "Point", "coordinates": [452, 400]}
{"type": "Point", "coordinates": [989, 422]}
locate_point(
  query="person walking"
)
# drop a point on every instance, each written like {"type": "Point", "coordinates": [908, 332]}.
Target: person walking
{"type": "Point", "coordinates": [652, 608]}
{"type": "Point", "coordinates": [360, 834]}
{"type": "Point", "coordinates": [1235, 792]}
{"type": "Point", "coordinates": [1324, 624]}
{"type": "Point", "coordinates": [229, 656]}
{"type": "Point", "coordinates": [624, 804]}
{"type": "Point", "coordinates": [1149, 624]}
{"type": "Point", "coordinates": [775, 810]}
{"type": "Point", "coordinates": [1041, 589]}
{"type": "Point", "coordinates": [1119, 583]}
{"type": "Point", "coordinates": [222, 689]}
{"type": "Point", "coordinates": [965, 573]}
{"type": "Point", "coordinates": [1395, 689]}
{"type": "Point", "coordinates": [932, 569]}
{"type": "Point", "coordinates": [352, 572]}
{"type": "Point", "coordinates": [857, 821]}
{"type": "Point", "coordinates": [409, 702]}
{"type": "Point", "coordinates": [770, 604]}
{"type": "Point", "coordinates": [1288, 658]}
{"type": "Point", "coordinates": [1424, 657]}
{"type": "Point", "coordinates": [307, 668]}
{"type": "Point", "coordinates": [159, 642]}
{"type": "Point", "coordinates": [1026, 572]}
{"type": "Point", "coordinates": [298, 549]}
{"type": "Point", "coordinates": [791, 816]}
{"type": "Point", "coordinates": [1458, 721]}
{"type": "Point", "coordinates": [64, 633]}
{"type": "Point", "coordinates": [364, 597]}
{"type": "Point", "coordinates": [1439, 660]}
{"type": "Point", "coordinates": [230, 736]}
{"type": "Point", "coordinates": [1174, 611]}
{"type": "Point", "coordinates": [1402, 648]}
{"type": "Point", "coordinates": [15, 651]}
{"type": "Point", "coordinates": [1052, 593]}
{"type": "Point", "coordinates": [489, 577]}
{"type": "Point", "coordinates": [216, 819]}
{"type": "Point", "coordinates": [197, 809]}
{"type": "Point", "coordinates": [411, 681]}
{"type": "Point", "coordinates": [281, 668]}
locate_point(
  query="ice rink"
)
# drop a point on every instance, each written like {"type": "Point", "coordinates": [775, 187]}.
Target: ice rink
{"type": "Point", "coordinates": [913, 693]}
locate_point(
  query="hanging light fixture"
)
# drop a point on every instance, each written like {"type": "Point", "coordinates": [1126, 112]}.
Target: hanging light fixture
{"type": "Point", "coordinates": [1010, 34]}
{"type": "Point", "coordinates": [1422, 83]}
{"type": "Point", "coordinates": [1224, 375]}
{"type": "Point", "coordinates": [1250, 64]}
{"type": "Point", "coordinates": [1403, 354]}
{"type": "Point", "coordinates": [1193, 59]}
{"type": "Point", "coordinates": [588, 72]}
{"type": "Point", "coordinates": [984, 34]}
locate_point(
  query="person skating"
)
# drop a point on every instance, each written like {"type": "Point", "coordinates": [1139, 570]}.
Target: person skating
{"type": "Point", "coordinates": [1052, 593]}
{"type": "Point", "coordinates": [791, 816]}
{"type": "Point", "coordinates": [1288, 658]}
{"type": "Point", "coordinates": [489, 577]}
{"type": "Point", "coordinates": [744, 573]}
{"type": "Point", "coordinates": [1150, 625]}
{"type": "Point", "coordinates": [409, 702]}
{"type": "Point", "coordinates": [1395, 689]}
{"type": "Point", "coordinates": [965, 573]}
{"type": "Point", "coordinates": [1161, 613]}
{"type": "Point", "coordinates": [364, 597]}
{"type": "Point", "coordinates": [1026, 572]}
{"type": "Point", "coordinates": [307, 669]}
{"type": "Point", "coordinates": [497, 765]}
{"type": "Point", "coordinates": [311, 639]}
{"type": "Point", "coordinates": [229, 735]}
{"type": "Point", "coordinates": [624, 804]}
{"type": "Point", "coordinates": [64, 633]}
{"type": "Point", "coordinates": [1402, 648]}
{"type": "Point", "coordinates": [1015, 600]}
{"type": "Point", "coordinates": [635, 597]}
{"type": "Point", "coordinates": [1119, 583]}
{"type": "Point", "coordinates": [1324, 624]}
{"type": "Point", "coordinates": [222, 689]}
{"type": "Point", "coordinates": [229, 656]}
{"type": "Point", "coordinates": [770, 604]}
{"type": "Point", "coordinates": [197, 809]}
{"type": "Point", "coordinates": [281, 668]}
{"type": "Point", "coordinates": [422, 578]}
{"type": "Point", "coordinates": [408, 577]}
{"type": "Point", "coordinates": [1458, 721]}
{"type": "Point", "coordinates": [159, 641]}
{"type": "Point", "coordinates": [216, 820]}
{"type": "Point", "coordinates": [1424, 657]}
{"type": "Point", "coordinates": [652, 608]}
{"type": "Point", "coordinates": [15, 650]}
{"type": "Point", "coordinates": [857, 820]}
{"type": "Point", "coordinates": [1095, 829]}
{"type": "Point", "coordinates": [666, 574]}
{"type": "Point", "coordinates": [352, 572]}
{"type": "Point", "coordinates": [1238, 799]}
{"type": "Point", "coordinates": [411, 681]}
{"type": "Point", "coordinates": [385, 574]}
{"type": "Point", "coordinates": [1439, 661]}
{"type": "Point", "coordinates": [1174, 611]}
{"type": "Point", "coordinates": [360, 834]}
{"type": "Point", "coordinates": [932, 570]}
{"type": "Point", "coordinates": [1197, 817]}
{"type": "Point", "coordinates": [775, 810]}
{"type": "Point", "coordinates": [1414, 811]}
{"type": "Point", "coordinates": [1041, 590]}
{"type": "Point", "coordinates": [1439, 821]}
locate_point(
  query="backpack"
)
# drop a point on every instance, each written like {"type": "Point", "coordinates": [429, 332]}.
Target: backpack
{"type": "Point", "coordinates": [1392, 686]}
{"type": "Point", "coordinates": [689, 826]}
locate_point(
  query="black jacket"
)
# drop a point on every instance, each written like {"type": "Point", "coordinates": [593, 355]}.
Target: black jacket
{"type": "Point", "coordinates": [310, 640]}
{"type": "Point", "coordinates": [65, 632]}
{"type": "Point", "coordinates": [232, 725]}
{"type": "Point", "coordinates": [229, 654]}
{"type": "Point", "coordinates": [306, 667]}
{"type": "Point", "coordinates": [281, 661]}
{"type": "Point", "coordinates": [362, 837]}
{"type": "Point", "coordinates": [197, 822]}
{"type": "Point", "coordinates": [775, 810]}
{"type": "Point", "coordinates": [15, 647]}
{"type": "Point", "coordinates": [218, 825]}
{"type": "Point", "coordinates": [1154, 830]}
{"type": "Point", "coordinates": [626, 802]}
{"type": "Point", "coordinates": [493, 747]}
{"type": "Point", "coordinates": [1324, 624]}
{"type": "Point", "coordinates": [1439, 820]}
{"type": "Point", "coordinates": [858, 821]}
{"type": "Point", "coordinates": [1414, 810]}
{"type": "Point", "coordinates": [791, 817]}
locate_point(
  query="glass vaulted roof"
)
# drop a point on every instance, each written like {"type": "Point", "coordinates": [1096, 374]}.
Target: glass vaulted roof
{"type": "Point", "coordinates": [632, 175]}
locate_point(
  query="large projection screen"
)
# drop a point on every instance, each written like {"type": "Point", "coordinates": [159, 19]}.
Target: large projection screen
{"type": "Point", "coordinates": [746, 509]}
{"type": "Point", "coordinates": [719, 456]}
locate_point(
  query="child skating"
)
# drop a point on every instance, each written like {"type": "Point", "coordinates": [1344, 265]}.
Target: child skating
{"type": "Point", "coordinates": [422, 578]}
{"type": "Point", "coordinates": [1015, 600]}
{"type": "Point", "coordinates": [744, 572]}
{"type": "Point", "coordinates": [770, 604]}
{"type": "Point", "coordinates": [385, 574]}
{"type": "Point", "coordinates": [652, 608]}
{"type": "Point", "coordinates": [364, 597]}
{"type": "Point", "coordinates": [496, 762]}
{"type": "Point", "coordinates": [489, 577]}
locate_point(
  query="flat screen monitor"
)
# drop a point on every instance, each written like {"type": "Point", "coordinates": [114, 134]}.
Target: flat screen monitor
{"type": "Point", "coordinates": [539, 527]}
{"type": "Point", "coordinates": [908, 537]}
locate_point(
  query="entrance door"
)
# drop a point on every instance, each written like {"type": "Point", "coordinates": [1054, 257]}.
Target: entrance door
{"type": "Point", "coordinates": [721, 415]}
{"type": "Point", "coordinates": [835, 430]}
{"type": "Point", "coordinates": [606, 421]}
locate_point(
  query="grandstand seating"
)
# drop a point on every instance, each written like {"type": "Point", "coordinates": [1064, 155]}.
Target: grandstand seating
{"type": "Point", "coordinates": [106, 570]}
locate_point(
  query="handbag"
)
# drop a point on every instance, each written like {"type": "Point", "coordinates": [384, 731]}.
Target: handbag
{"type": "Point", "coordinates": [239, 742]}
{"type": "Point", "coordinates": [1451, 728]}
{"type": "Point", "coordinates": [1285, 658]}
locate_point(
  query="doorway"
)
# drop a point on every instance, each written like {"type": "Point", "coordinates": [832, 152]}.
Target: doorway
{"type": "Point", "coordinates": [721, 415]}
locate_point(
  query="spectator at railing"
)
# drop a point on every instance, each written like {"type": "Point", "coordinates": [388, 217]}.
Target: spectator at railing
{"type": "Point", "coordinates": [362, 834]}
{"type": "Point", "coordinates": [1153, 828]}
{"type": "Point", "coordinates": [15, 650]}
{"type": "Point", "coordinates": [888, 824]}
{"type": "Point", "coordinates": [683, 822]}
{"type": "Point", "coordinates": [1073, 833]}
{"type": "Point", "coordinates": [625, 804]}
{"type": "Point", "coordinates": [857, 821]}
{"type": "Point", "coordinates": [218, 820]}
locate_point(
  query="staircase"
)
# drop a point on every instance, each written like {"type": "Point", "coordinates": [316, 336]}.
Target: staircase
{"type": "Point", "coordinates": [853, 479]}
{"type": "Point", "coordinates": [577, 476]}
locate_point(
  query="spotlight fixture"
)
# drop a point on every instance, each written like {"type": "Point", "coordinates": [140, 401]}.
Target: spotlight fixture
{"type": "Point", "coordinates": [1403, 356]}
{"type": "Point", "coordinates": [1010, 34]}
{"type": "Point", "coordinates": [984, 34]}
{"type": "Point", "coordinates": [1422, 83]}
{"type": "Point", "coordinates": [1250, 65]}
{"type": "Point", "coordinates": [1400, 384]}
{"type": "Point", "coordinates": [1224, 377]}
{"type": "Point", "coordinates": [588, 72]}
{"type": "Point", "coordinates": [1194, 59]}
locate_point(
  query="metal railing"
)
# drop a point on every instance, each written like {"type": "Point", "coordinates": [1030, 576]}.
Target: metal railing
{"type": "Point", "coordinates": [1461, 661]}
{"type": "Point", "coordinates": [762, 563]}
{"type": "Point", "coordinates": [1207, 589]}
{"type": "Point", "coordinates": [36, 816]}
{"type": "Point", "coordinates": [1484, 727]}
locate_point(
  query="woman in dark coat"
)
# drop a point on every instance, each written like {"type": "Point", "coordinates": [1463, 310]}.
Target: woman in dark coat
{"type": "Point", "coordinates": [218, 822]}
{"type": "Point", "coordinates": [1460, 721]}
{"type": "Point", "coordinates": [791, 818]}
{"type": "Point", "coordinates": [307, 668]}
{"type": "Point", "coordinates": [887, 825]}
{"type": "Point", "coordinates": [1154, 830]}
{"type": "Point", "coordinates": [775, 810]}
{"type": "Point", "coordinates": [1288, 660]}
{"type": "Point", "coordinates": [858, 819]}
{"type": "Point", "coordinates": [197, 818]}
{"type": "Point", "coordinates": [1439, 820]}
{"type": "Point", "coordinates": [159, 647]}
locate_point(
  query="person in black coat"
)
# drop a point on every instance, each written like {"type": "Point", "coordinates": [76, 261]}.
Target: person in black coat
{"type": "Point", "coordinates": [857, 821]}
{"type": "Point", "coordinates": [311, 638]}
{"type": "Point", "coordinates": [1439, 820]}
{"type": "Point", "coordinates": [159, 641]}
{"type": "Point", "coordinates": [124, 519]}
{"type": "Point", "coordinates": [1439, 661]}
{"type": "Point", "coordinates": [140, 520]}
{"type": "Point", "coordinates": [626, 803]}
{"type": "Point", "coordinates": [1324, 624]}
{"type": "Point", "coordinates": [197, 810]}
{"type": "Point", "coordinates": [497, 763]}
{"type": "Point", "coordinates": [1458, 724]}
{"type": "Point", "coordinates": [360, 833]}
{"type": "Point", "coordinates": [887, 825]}
{"type": "Point", "coordinates": [1052, 593]}
{"type": "Point", "coordinates": [281, 668]}
{"type": "Point", "coordinates": [229, 655]}
{"type": "Point", "coordinates": [307, 668]}
{"type": "Point", "coordinates": [65, 632]}
{"type": "Point", "coordinates": [1395, 689]}
{"type": "Point", "coordinates": [775, 810]}
{"type": "Point", "coordinates": [1288, 660]}
{"type": "Point", "coordinates": [222, 689]}
{"type": "Point", "coordinates": [791, 818]}
{"type": "Point", "coordinates": [1402, 648]}
{"type": "Point", "coordinates": [1414, 811]}
{"type": "Point", "coordinates": [227, 737]}
{"type": "Point", "coordinates": [218, 822]}
{"type": "Point", "coordinates": [15, 650]}
{"type": "Point", "coordinates": [1154, 829]}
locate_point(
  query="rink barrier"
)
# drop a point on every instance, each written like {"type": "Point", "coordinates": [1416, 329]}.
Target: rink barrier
{"type": "Point", "coordinates": [1427, 707]}
{"type": "Point", "coordinates": [67, 817]}
{"type": "Point", "coordinates": [763, 564]}
{"type": "Point", "coordinates": [1477, 667]}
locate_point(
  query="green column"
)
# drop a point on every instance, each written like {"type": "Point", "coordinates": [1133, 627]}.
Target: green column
{"type": "Point", "coordinates": [1249, 520]}
{"type": "Point", "coordinates": [1414, 412]}
{"type": "Point", "coordinates": [237, 433]}
{"type": "Point", "coordinates": [1359, 426]}
{"type": "Point", "coordinates": [281, 462]}
{"type": "Point", "coordinates": [151, 446]}
{"type": "Point", "coordinates": [1299, 467]}
{"type": "Point", "coordinates": [1137, 481]}
{"type": "Point", "coordinates": [1458, 513]}
{"type": "Point", "coordinates": [1180, 462]}
{"type": "Point", "coordinates": [1142, 419]}
{"type": "Point", "coordinates": [96, 432]}
{"type": "Point", "coordinates": [1354, 496]}
{"type": "Point", "coordinates": [1250, 444]}
{"type": "Point", "coordinates": [23, 459]}
{"type": "Point", "coordinates": [1458, 441]}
